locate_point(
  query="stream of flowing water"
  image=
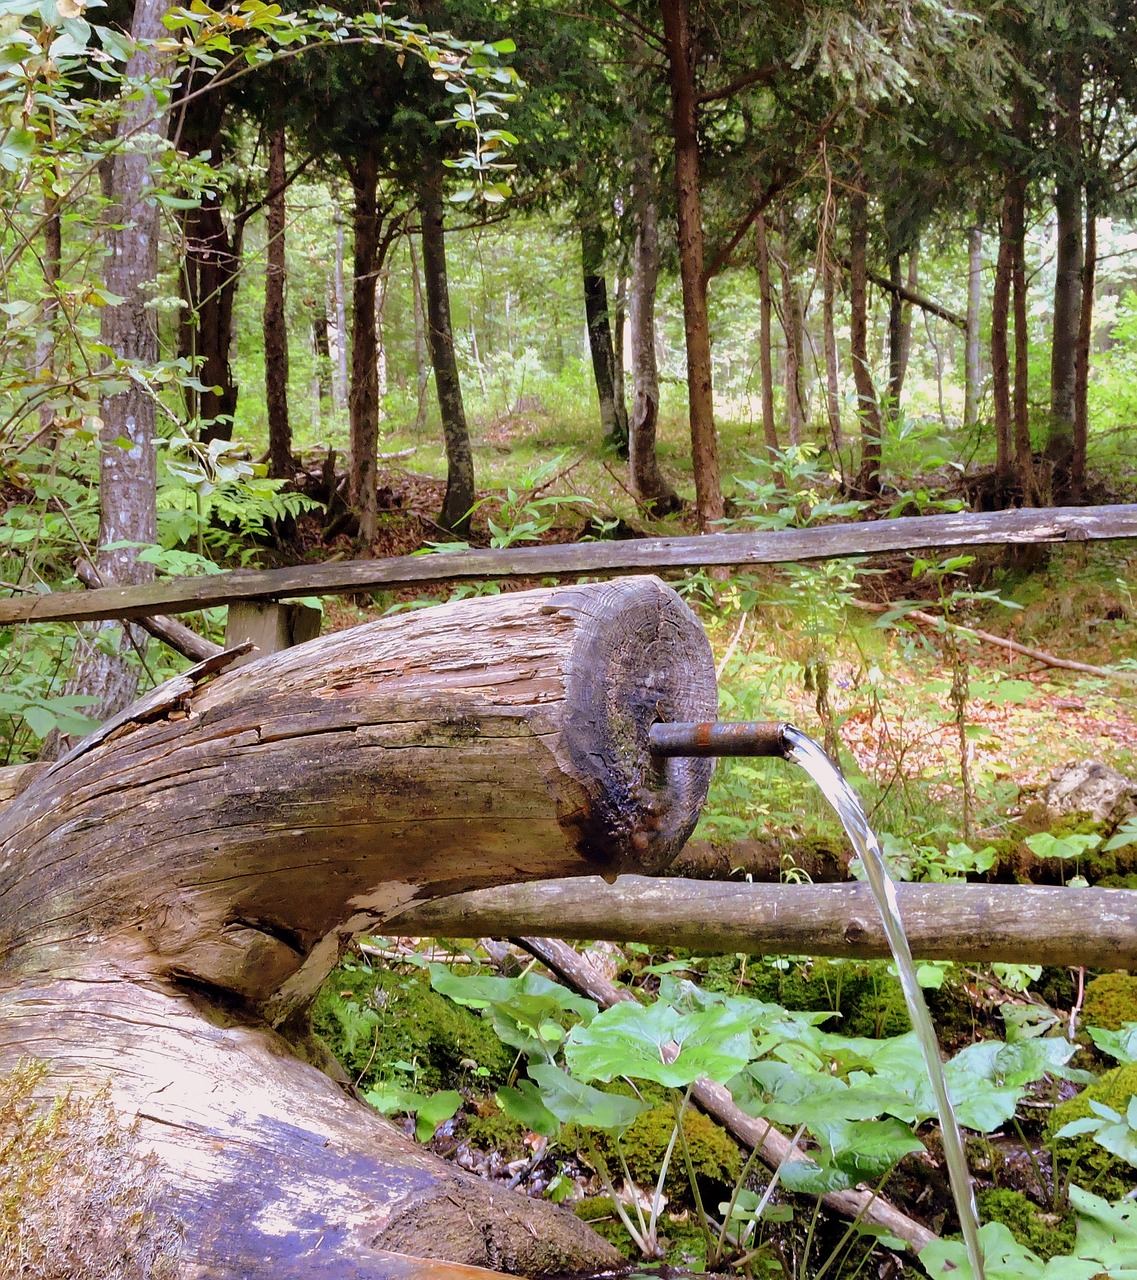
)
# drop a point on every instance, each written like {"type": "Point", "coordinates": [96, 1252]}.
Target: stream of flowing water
{"type": "Point", "coordinates": [809, 754]}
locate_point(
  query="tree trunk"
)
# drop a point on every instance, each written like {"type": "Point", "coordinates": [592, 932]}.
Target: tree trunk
{"type": "Point", "coordinates": [648, 484]}
{"type": "Point", "coordinates": [912, 283]}
{"type": "Point", "coordinates": [281, 463]}
{"type": "Point", "coordinates": [182, 882]}
{"type": "Point", "coordinates": [1000, 355]}
{"type": "Point", "coordinates": [613, 414]}
{"type": "Point", "coordinates": [895, 338]}
{"type": "Point", "coordinates": [1082, 359]}
{"type": "Point", "coordinates": [338, 311]}
{"type": "Point", "coordinates": [868, 478]}
{"type": "Point", "coordinates": [364, 396]}
{"type": "Point", "coordinates": [44, 366]}
{"type": "Point", "coordinates": [700, 382]}
{"type": "Point", "coordinates": [1067, 283]}
{"type": "Point", "coordinates": [1024, 462]}
{"type": "Point", "coordinates": [793, 325]}
{"type": "Point", "coordinates": [127, 470]}
{"type": "Point", "coordinates": [832, 370]}
{"type": "Point", "coordinates": [460, 493]}
{"type": "Point", "coordinates": [619, 355]}
{"type": "Point", "coordinates": [765, 336]}
{"type": "Point", "coordinates": [422, 365]}
{"type": "Point", "coordinates": [211, 271]}
{"type": "Point", "coordinates": [971, 373]}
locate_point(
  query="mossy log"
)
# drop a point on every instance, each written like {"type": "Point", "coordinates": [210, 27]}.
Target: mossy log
{"type": "Point", "coordinates": [175, 889]}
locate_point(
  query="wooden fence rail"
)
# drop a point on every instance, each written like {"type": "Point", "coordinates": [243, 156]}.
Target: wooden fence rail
{"type": "Point", "coordinates": [963, 529]}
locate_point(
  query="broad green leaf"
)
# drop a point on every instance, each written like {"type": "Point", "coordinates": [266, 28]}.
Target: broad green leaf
{"type": "Point", "coordinates": [524, 1105]}
{"type": "Point", "coordinates": [866, 1148]}
{"type": "Point", "coordinates": [434, 1110]}
{"type": "Point", "coordinates": [659, 1043]}
{"type": "Point", "coordinates": [812, 1179]}
{"type": "Point", "coordinates": [573, 1101]}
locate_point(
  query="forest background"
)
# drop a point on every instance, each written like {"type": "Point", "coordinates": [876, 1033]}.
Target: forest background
{"type": "Point", "coordinates": [284, 285]}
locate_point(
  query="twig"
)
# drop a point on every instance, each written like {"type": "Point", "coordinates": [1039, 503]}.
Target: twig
{"type": "Point", "coordinates": [726, 657]}
{"type": "Point", "coordinates": [1037, 655]}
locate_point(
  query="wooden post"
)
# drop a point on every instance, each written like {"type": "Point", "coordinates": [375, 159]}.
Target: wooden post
{"type": "Point", "coordinates": [175, 889]}
{"type": "Point", "coordinates": [269, 627]}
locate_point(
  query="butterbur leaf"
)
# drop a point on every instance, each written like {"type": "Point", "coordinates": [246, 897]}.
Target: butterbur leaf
{"type": "Point", "coordinates": [1107, 1233]}
{"type": "Point", "coordinates": [659, 1043]}
{"type": "Point", "coordinates": [524, 1105]}
{"type": "Point", "coordinates": [573, 1101]}
{"type": "Point", "coordinates": [811, 1179]}
{"type": "Point", "coordinates": [866, 1148]}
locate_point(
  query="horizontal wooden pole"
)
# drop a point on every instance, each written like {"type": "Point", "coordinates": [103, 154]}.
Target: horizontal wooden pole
{"type": "Point", "coordinates": [981, 923]}
{"type": "Point", "coordinates": [181, 595]}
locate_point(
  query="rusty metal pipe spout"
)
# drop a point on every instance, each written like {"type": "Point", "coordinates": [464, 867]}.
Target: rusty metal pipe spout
{"type": "Point", "coordinates": [761, 738]}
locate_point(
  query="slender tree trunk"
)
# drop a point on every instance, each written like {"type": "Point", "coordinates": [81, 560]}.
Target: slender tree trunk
{"type": "Point", "coordinates": [127, 468]}
{"type": "Point", "coordinates": [619, 356]}
{"type": "Point", "coordinates": [1000, 357]}
{"type": "Point", "coordinates": [339, 311]}
{"type": "Point", "coordinates": [613, 422]}
{"type": "Point", "coordinates": [281, 464]}
{"type": "Point", "coordinates": [895, 339]}
{"type": "Point", "coordinates": [363, 402]}
{"type": "Point", "coordinates": [1082, 361]}
{"type": "Point", "coordinates": [765, 336]}
{"type": "Point", "coordinates": [971, 334]}
{"type": "Point", "coordinates": [912, 284]}
{"type": "Point", "coordinates": [792, 326]}
{"type": "Point", "coordinates": [455, 514]}
{"type": "Point", "coordinates": [648, 484]}
{"type": "Point", "coordinates": [832, 370]}
{"type": "Point", "coordinates": [700, 388]}
{"type": "Point", "coordinates": [380, 339]}
{"type": "Point", "coordinates": [422, 364]}
{"type": "Point", "coordinates": [52, 267]}
{"type": "Point", "coordinates": [1024, 463]}
{"type": "Point", "coordinates": [1067, 284]}
{"type": "Point", "coordinates": [321, 351]}
{"type": "Point", "coordinates": [868, 478]}
{"type": "Point", "coordinates": [211, 272]}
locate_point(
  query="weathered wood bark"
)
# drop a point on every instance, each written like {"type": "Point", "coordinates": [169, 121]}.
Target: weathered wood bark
{"type": "Point", "coordinates": [648, 483]}
{"type": "Point", "coordinates": [700, 383]}
{"type": "Point", "coordinates": [1024, 457]}
{"type": "Point", "coordinates": [971, 337]}
{"type": "Point", "coordinates": [176, 888]}
{"type": "Point", "coordinates": [963, 529]}
{"type": "Point", "coordinates": [459, 499]}
{"type": "Point", "coordinates": [979, 923]}
{"type": "Point", "coordinates": [613, 413]}
{"type": "Point", "coordinates": [281, 463]}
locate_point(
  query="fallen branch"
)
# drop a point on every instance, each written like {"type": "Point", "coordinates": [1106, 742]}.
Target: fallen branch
{"type": "Point", "coordinates": [980, 923]}
{"type": "Point", "coordinates": [168, 630]}
{"type": "Point", "coordinates": [773, 1147]}
{"type": "Point", "coordinates": [1036, 655]}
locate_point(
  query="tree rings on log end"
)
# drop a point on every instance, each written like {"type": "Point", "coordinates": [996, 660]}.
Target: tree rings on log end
{"type": "Point", "coordinates": [639, 657]}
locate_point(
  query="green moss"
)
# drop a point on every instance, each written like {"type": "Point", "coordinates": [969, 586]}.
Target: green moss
{"type": "Point", "coordinates": [1046, 1234]}
{"type": "Point", "coordinates": [714, 1155]}
{"type": "Point", "coordinates": [1110, 1001]}
{"type": "Point", "coordinates": [1093, 1167]}
{"type": "Point", "coordinates": [373, 1018]}
{"type": "Point", "coordinates": [682, 1240]}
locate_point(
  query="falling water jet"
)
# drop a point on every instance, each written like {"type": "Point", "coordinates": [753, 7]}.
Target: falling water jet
{"type": "Point", "coordinates": [788, 743]}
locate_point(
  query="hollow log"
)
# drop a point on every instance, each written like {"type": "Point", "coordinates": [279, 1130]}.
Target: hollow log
{"type": "Point", "coordinates": [175, 889]}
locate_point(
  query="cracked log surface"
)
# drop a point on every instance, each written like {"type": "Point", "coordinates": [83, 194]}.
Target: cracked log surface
{"type": "Point", "coordinates": [174, 890]}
